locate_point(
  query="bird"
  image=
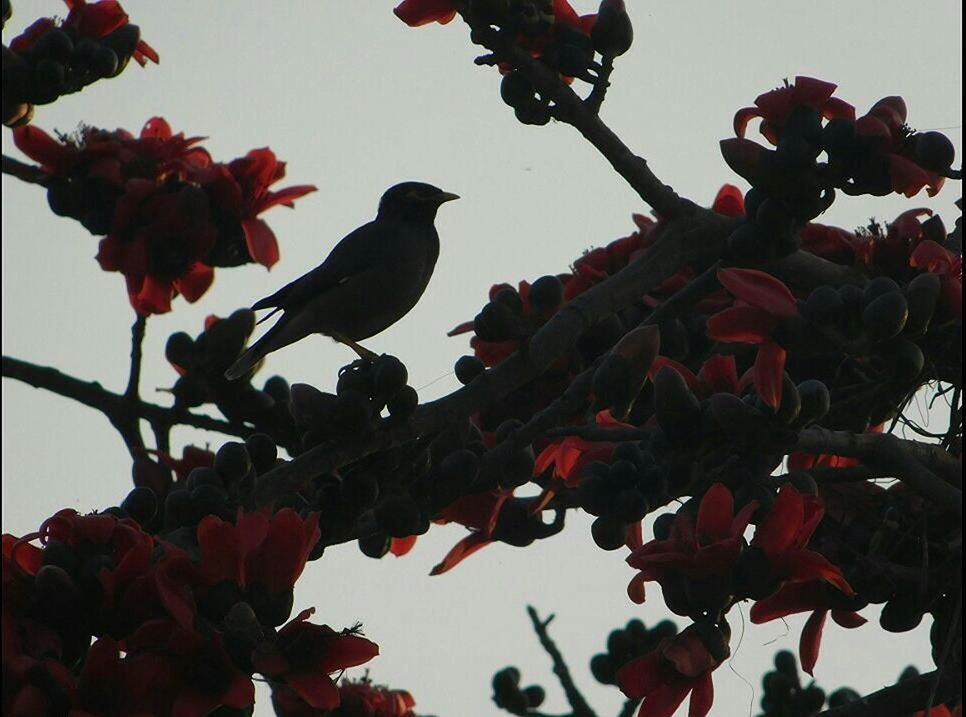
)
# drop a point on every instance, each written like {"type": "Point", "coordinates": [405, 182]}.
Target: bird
{"type": "Point", "coordinates": [372, 278]}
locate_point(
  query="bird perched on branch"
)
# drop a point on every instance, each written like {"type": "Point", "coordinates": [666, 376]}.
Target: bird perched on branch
{"type": "Point", "coordinates": [372, 278]}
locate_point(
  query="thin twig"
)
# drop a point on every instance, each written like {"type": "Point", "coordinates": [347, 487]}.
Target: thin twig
{"type": "Point", "coordinates": [577, 702]}
{"type": "Point", "coordinates": [112, 405]}
{"type": "Point", "coordinates": [24, 172]}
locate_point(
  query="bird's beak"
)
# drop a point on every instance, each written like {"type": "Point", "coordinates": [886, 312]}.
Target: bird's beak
{"type": "Point", "coordinates": [446, 197]}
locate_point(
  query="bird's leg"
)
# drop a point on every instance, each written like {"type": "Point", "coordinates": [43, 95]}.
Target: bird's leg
{"type": "Point", "coordinates": [363, 353]}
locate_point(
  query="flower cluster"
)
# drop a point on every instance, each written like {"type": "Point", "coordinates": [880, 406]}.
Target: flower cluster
{"type": "Point", "coordinates": [169, 212]}
{"type": "Point", "coordinates": [49, 59]}
{"type": "Point", "coordinates": [179, 623]}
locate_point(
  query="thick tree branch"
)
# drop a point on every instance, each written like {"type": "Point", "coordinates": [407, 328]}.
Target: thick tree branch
{"type": "Point", "coordinates": [115, 407]}
{"type": "Point", "coordinates": [910, 461]}
{"type": "Point", "coordinates": [681, 243]}
{"type": "Point", "coordinates": [137, 339]}
{"type": "Point", "coordinates": [577, 702]}
{"type": "Point", "coordinates": [906, 697]}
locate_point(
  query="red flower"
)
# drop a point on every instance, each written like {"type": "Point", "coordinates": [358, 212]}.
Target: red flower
{"type": "Point", "coordinates": [776, 106]}
{"type": "Point", "coordinates": [257, 549]}
{"type": "Point", "coordinates": [814, 596]}
{"type": "Point", "coordinates": [365, 698]}
{"type": "Point", "coordinates": [764, 303]}
{"type": "Point", "coordinates": [570, 455]}
{"type": "Point", "coordinates": [708, 546]}
{"type": "Point", "coordinates": [191, 457]}
{"type": "Point", "coordinates": [931, 256]}
{"type": "Point", "coordinates": [677, 667]}
{"type": "Point", "coordinates": [239, 191]}
{"type": "Point", "coordinates": [718, 374]}
{"type": "Point", "coordinates": [783, 535]}
{"type": "Point", "coordinates": [304, 654]}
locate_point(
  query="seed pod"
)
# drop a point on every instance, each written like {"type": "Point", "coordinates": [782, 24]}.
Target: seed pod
{"type": "Point", "coordinates": [904, 359]}
{"type": "Point", "coordinates": [613, 33]}
{"type": "Point", "coordinates": [516, 90]}
{"type": "Point", "coordinates": [546, 294]}
{"type": "Point", "coordinates": [389, 376]}
{"type": "Point", "coordinates": [934, 152]}
{"type": "Point", "coordinates": [310, 405]}
{"type": "Point", "coordinates": [734, 415]}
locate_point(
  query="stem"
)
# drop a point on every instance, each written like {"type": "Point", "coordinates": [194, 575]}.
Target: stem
{"type": "Point", "coordinates": [577, 702]}
{"type": "Point", "coordinates": [137, 339]}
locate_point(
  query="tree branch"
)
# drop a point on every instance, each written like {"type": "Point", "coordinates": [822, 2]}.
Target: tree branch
{"type": "Point", "coordinates": [904, 697]}
{"type": "Point", "coordinates": [571, 109]}
{"type": "Point", "coordinates": [114, 406]}
{"type": "Point", "coordinates": [134, 377]}
{"type": "Point", "coordinates": [577, 702]}
{"type": "Point", "coordinates": [910, 461]}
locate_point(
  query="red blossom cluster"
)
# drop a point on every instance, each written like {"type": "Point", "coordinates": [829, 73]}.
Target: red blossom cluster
{"type": "Point", "coordinates": [356, 699]}
{"type": "Point", "coordinates": [180, 623]}
{"type": "Point", "coordinates": [169, 212]}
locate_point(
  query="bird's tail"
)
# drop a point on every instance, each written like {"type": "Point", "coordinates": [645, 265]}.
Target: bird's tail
{"type": "Point", "coordinates": [255, 353]}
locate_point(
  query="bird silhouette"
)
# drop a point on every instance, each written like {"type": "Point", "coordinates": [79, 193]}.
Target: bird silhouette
{"type": "Point", "coordinates": [370, 280]}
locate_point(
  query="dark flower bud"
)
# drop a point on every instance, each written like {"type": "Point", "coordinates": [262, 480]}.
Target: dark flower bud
{"type": "Point", "coordinates": [677, 409]}
{"type": "Point", "coordinates": [60, 554]}
{"type": "Point", "coordinates": [309, 404]}
{"type": "Point", "coordinates": [516, 90]}
{"type": "Point", "coordinates": [375, 545]}
{"type": "Point", "coordinates": [823, 306]}
{"type": "Point", "coordinates": [389, 376]}
{"type": "Point", "coordinates": [404, 403]}
{"type": "Point", "coordinates": [179, 349]}
{"type": "Point", "coordinates": [104, 63]}
{"type": "Point", "coordinates": [877, 287]}
{"type": "Point", "coordinates": [885, 317]}
{"type": "Point", "coordinates": [534, 696]}
{"type": "Point", "coordinates": [815, 401]}
{"type": "Point", "coordinates": [747, 241]}
{"type": "Point", "coordinates": [603, 669]}
{"type": "Point", "coordinates": [468, 368]}
{"type": "Point", "coordinates": [843, 696]}
{"type": "Point", "coordinates": [613, 33]}
{"type": "Point", "coordinates": [838, 136]}
{"type": "Point", "coordinates": [141, 504]}
{"type": "Point", "coordinates": [232, 461]}
{"type": "Point", "coordinates": [732, 415]}
{"type": "Point", "coordinates": [609, 532]}
{"type": "Point", "coordinates": [794, 154]}
{"type": "Point", "coordinates": [662, 526]}
{"type": "Point", "coordinates": [546, 294]}
{"type": "Point", "coordinates": [921, 294]}
{"type": "Point", "coordinates": [352, 411]}
{"type": "Point", "coordinates": [357, 376]}
{"type": "Point", "coordinates": [459, 469]}
{"type": "Point", "coordinates": [534, 113]}
{"type": "Point", "coordinates": [54, 45]}
{"type": "Point", "coordinates": [262, 450]}
{"type": "Point", "coordinates": [934, 152]}
{"type": "Point", "coordinates": [804, 122]}
{"type": "Point", "coordinates": [398, 515]}
{"type": "Point", "coordinates": [506, 680]}
{"type": "Point", "coordinates": [510, 298]}
{"type": "Point", "coordinates": [48, 82]}
{"type": "Point", "coordinates": [190, 391]}
{"type": "Point", "coordinates": [904, 359]}
{"type": "Point", "coordinates": [360, 489]}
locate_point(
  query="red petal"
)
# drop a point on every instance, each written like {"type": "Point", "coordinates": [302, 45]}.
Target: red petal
{"type": "Point", "coordinates": [702, 697]}
{"type": "Point", "coordinates": [729, 201]}
{"type": "Point", "coordinates": [463, 328]}
{"type": "Point", "coordinates": [285, 197]}
{"type": "Point", "coordinates": [760, 289]}
{"type": "Point", "coordinates": [812, 91]}
{"type": "Point", "coordinates": [715, 514]}
{"type": "Point", "coordinates": [790, 599]}
{"type": "Point", "coordinates": [779, 529]}
{"type": "Point", "coordinates": [807, 565]}
{"type": "Point", "coordinates": [642, 675]}
{"type": "Point", "coordinates": [664, 701]}
{"type": "Point", "coordinates": [744, 157]}
{"type": "Point", "coordinates": [836, 108]}
{"type": "Point", "coordinates": [743, 117]}
{"type": "Point", "coordinates": [636, 589]}
{"type": "Point", "coordinates": [41, 147]}
{"type": "Point", "coordinates": [742, 324]}
{"type": "Point", "coordinates": [811, 640]}
{"type": "Point", "coordinates": [317, 690]}
{"type": "Point", "coordinates": [686, 373]}
{"type": "Point", "coordinates": [907, 176]}
{"type": "Point", "coordinates": [261, 242]}
{"type": "Point", "coordinates": [769, 373]}
{"type": "Point", "coordinates": [719, 373]}
{"type": "Point", "coordinates": [462, 550]}
{"type": "Point", "coordinates": [156, 128]}
{"type": "Point", "coordinates": [422, 12]}
{"type": "Point", "coordinates": [344, 651]}
{"type": "Point", "coordinates": [931, 256]}
{"type": "Point", "coordinates": [195, 281]}
{"type": "Point", "coordinates": [401, 546]}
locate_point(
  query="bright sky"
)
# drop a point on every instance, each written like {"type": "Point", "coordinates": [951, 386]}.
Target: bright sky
{"type": "Point", "coordinates": [355, 102]}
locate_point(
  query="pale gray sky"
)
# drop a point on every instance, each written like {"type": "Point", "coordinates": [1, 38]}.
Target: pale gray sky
{"type": "Point", "coordinates": [356, 101]}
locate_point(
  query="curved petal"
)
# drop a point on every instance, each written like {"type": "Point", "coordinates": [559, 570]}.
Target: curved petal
{"type": "Point", "coordinates": [789, 599]}
{"type": "Point", "coordinates": [715, 514]}
{"type": "Point", "coordinates": [702, 696]}
{"type": "Point", "coordinates": [761, 289]}
{"type": "Point", "coordinates": [719, 373]}
{"type": "Point", "coordinates": [769, 373]}
{"type": "Point", "coordinates": [261, 242]}
{"type": "Point", "coordinates": [807, 565]}
{"type": "Point", "coordinates": [416, 13]}
{"type": "Point", "coordinates": [462, 550]}
{"type": "Point", "coordinates": [642, 675]}
{"type": "Point", "coordinates": [741, 324]}
{"type": "Point", "coordinates": [401, 546]}
{"type": "Point", "coordinates": [742, 118]}
{"type": "Point", "coordinates": [848, 618]}
{"type": "Point", "coordinates": [811, 640]}
{"type": "Point", "coordinates": [195, 281]}
{"type": "Point", "coordinates": [316, 689]}
{"type": "Point", "coordinates": [730, 201]}
{"type": "Point", "coordinates": [778, 531]}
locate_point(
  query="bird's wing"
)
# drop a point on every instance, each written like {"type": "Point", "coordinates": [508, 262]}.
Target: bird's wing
{"type": "Point", "coordinates": [351, 256]}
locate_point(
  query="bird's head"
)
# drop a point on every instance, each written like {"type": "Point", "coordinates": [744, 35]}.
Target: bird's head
{"type": "Point", "coordinates": [414, 201]}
